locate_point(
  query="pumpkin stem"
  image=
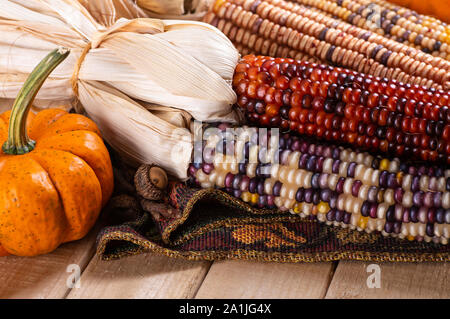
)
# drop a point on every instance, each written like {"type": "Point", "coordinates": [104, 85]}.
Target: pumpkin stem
{"type": "Point", "coordinates": [18, 141]}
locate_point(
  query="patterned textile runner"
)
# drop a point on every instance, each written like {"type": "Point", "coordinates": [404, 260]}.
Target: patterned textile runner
{"type": "Point", "coordinates": [211, 225]}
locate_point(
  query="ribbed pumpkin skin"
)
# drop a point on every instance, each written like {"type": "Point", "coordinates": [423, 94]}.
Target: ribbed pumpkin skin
{"type": "Point", "coordinates": [54, 193]}
{"type": "Point", "coordinates": [437, 8]}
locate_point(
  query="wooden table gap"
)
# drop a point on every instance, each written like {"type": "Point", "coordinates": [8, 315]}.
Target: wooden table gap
{"type": "Point", "coordinates": [335, 264]}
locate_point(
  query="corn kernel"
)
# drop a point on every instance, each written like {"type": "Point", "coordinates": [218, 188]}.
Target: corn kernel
{"type": "Point", "coordinates": [362, 222]}
{"type": "Point", "coordinates": [217, 5]}
{"type": "Point", "coordinates": [323, 207]}
{"type": "Point", "coordinates": [400, 177]}
{"type": "Point", "coordinates": [254, 198]}
{"type": "Point", "coordinates": [246, 196]}
{"type": "Point", "coordinates": [384, 164]}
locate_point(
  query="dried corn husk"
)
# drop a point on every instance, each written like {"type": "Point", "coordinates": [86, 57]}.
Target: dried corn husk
{"type": "Point", "coordinates": [101, 10]}
{"type": "Point", "coordinates": [142, 81]}
{"type": "Point", "coordinates": [175, 9]}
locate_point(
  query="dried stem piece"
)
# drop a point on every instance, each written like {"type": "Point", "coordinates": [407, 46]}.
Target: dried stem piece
{"type": "Point", "coordinates": [151, 182]}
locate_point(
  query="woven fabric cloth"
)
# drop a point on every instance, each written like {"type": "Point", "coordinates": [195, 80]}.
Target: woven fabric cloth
{"type": "Point", "coordinates": [213, 225]}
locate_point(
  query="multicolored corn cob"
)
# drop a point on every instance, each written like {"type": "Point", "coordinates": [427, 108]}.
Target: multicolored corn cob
{"type": "Point", "coordinates": [394, 22]}
{"type": "Point", "coordinates": [440, 29]}
{"type": "Point", "coordinates": [284, 29]}
{"type": "Point", "coordinates": [344, 106]}
{"type": "Point", "coordinates": [325, 182]}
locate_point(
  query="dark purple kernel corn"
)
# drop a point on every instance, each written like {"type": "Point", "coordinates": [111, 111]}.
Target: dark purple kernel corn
{"type": "Point", "coordinates": [262, 201]}
{"type": "Point", "coordinates": [252, 186]}
{"type": "Point", "coordinates": [383, 179]}
{"type": "Point", "coordinates": [355, 187]}
{"type": "Point", "coordinates": [440, 215]}
{"type": "Point", "coordinates": [340, 185]}
{"type": "Point", "coordinates": [242, 168]}
{"type": "Point", "coordinates": [365, 208]}
{"type": "Point", "coordinates": [229, 180]}
{"type": "Point", "coordinates": [430, 230]}
{"type": "Point", "coordinates": [398, 195]}
{"type": "Point", "coordinates": [431, 215]}
{"type": "Point", "coordinates": [335, 166]}
{"type": "Point", "coordinates": [299, 195]}
{"type": "Point", "coordinates": [316, 197]}
{"type": "Point", "coordinates": [418, 198]}
{"type": "Point", "coordinates": [351, 169]}
{"type": "Point", "coordinates": [325, 195]}
{"type": "Point", "coordinates": [373, 210]}
{"type": "Point", "coordinates": [415, 184]}
{"type": "Point", "coordinates": [414, 214]}
{"type": "Point", "coordinates": [340, 215]}
{"type": "Point", "coordinates": [311, 163]}
{"type": "Point", "coordinates": [315, 180]}
{"type": "Point", "coordinates": [375, 51]}
{"type": "Point", "coordinates": [277, 188]}
{"type": "Point", "coordinates": [437, 199]}
{"type": "Point", "coordinates": [308, 195]}
{"type": "Point", "coordinates": [331, 215]}
{"type": "Point", "coordinates": [347, 218]}
{"type": "Point", "coordinates": [333, 200]}
{"type": "Point", "coordinates": [260, 187]}
{"type": "Point", "coordinates": [389, 227]}
{"type": "Point", "coordinates": [329, 54]}
{"type": "Point", "coordinates": [237, 182]}
{"type": "Point", "coordinates": [323, 33]}
{"type": "Point", "coordinates": [385, 57]}
{"type": "Point", "coordinates": [390, 214]}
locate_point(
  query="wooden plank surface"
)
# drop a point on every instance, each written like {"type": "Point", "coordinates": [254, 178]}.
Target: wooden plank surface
{"type": "Point", "coordinates": [141, 276]}
{"type": "Point", "coordinates": [245, 279]}
{"type": "Point", "coordinates": [45, 276]}
{"type": "Point", "coordinates": [397, 280]}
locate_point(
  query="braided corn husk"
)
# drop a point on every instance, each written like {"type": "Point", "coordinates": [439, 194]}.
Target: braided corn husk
{"type": "Point", "coordinates": [142, 80]}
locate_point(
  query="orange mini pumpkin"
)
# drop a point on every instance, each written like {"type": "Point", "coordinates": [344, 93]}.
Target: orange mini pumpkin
{"type": "Point", "coordinates": [55, 172]}
{"type": "Point", "coordinates": [438, 8]}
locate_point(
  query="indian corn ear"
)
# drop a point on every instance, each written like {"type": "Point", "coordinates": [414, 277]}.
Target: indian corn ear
{"type": "Point", "coordinates": [346, 107]}
{"type": "Point", "coordinates": [328, 183]}
{"type": "Point", "coordinates": [335, 35]}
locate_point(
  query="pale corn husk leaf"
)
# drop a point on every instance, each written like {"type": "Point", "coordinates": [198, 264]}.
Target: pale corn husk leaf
{"type": "Point", "coordinates": [199, 6]}
{"type": "Point", "coordinates": [163, 7]}
{"type": "Point", "coordinates": [38, 105]}
{"type": "Point", "coordinates": [173, 143]}
{"type": "Point", "coordinates": [176, 9]}
{"type": "Point", "coordinates": [101, 10]}
{"type": "Point", "coordinates": [143, 81]}
{"type": "Point", "coordinates": [177, 118]}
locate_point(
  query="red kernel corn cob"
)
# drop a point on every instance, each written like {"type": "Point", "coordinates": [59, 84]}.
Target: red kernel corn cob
{"type": "Point", "coordinates": [345, 106]}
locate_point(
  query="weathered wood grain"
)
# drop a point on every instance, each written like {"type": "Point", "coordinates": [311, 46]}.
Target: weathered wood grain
{"type": "Point", "coordinates": [45, 276]}
{"type": "Point", "coordinates": [244, 279]}
{"type": "Point", "coordinates": [397, 280]}
{"type": "Point", "coordinates": [142, 276]}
